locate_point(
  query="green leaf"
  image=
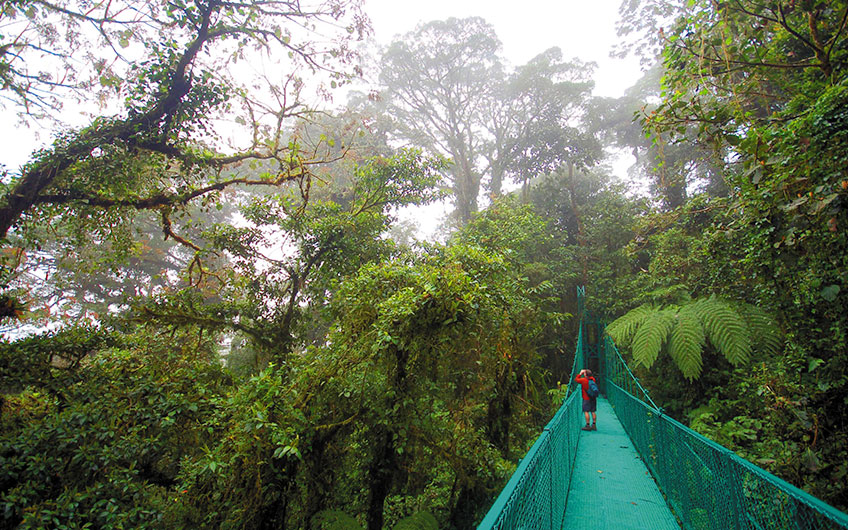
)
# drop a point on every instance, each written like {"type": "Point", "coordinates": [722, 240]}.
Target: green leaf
{"type": "Point", "coordinates": [686, 344]}
{"type": "Point", "coordinates": [810, 460]}
{"type": "Point", "coordinates": [725, 329]}
{"type": "Point", "coordinates": [829, 293]}
{"type": "Point", "coordinates": [764, 331]}
{"type": "Point", "coordinates": [623, 328]}
{"type": "Point", "coordinates": [651, 336]}
{"type": "Point", "coordinates": [335, 520]}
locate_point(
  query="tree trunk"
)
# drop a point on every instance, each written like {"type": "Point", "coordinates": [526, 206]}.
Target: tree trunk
{"type": "Point", "coordinates": [499, 413]}
{"type": "Point", "coordinates": [581, 233]}
{"type": "Point", "coordinates": [463, 512]}
{"type": "Point", "coordinates": [380, 479]}
{"type": "Point", "coordinates": [496, 183]}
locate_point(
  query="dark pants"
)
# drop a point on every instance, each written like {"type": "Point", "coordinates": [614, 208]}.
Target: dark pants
{"type": "Point", "coordinates": [590, 405]}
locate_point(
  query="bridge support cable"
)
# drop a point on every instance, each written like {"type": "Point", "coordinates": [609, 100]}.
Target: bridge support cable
{"type": "Point", "coordinates": [619, 373]}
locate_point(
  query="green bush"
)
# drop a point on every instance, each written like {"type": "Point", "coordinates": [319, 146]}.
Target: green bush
{"type": "Point", "coordinates": [108, 455]}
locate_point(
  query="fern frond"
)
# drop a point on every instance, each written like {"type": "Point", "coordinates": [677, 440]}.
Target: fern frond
{"type": "Point", "coordinates": [651, 336]}
{"type": "Point", "coordinates": [418, 521]}
{"type": "Point", "coordinates": [624, 327]}
{"type": "Point", "coordinates": [686, 343]}
{"type": "Point", "coordinates": [677, 292]}
{"type": "Point", "coordinates": [335, 520]}
{"type": "Point", "coordinates": [725, 329]}
{"type": "Point", "coordinates": [765, 333]}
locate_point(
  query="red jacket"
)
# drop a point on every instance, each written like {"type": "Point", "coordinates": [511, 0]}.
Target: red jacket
{"type": "Point", "coordinates": [584, 383]}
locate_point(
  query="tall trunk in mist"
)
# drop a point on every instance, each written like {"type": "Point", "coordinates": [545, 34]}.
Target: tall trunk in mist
{"type": "Point", "coordinates": [581, 232]}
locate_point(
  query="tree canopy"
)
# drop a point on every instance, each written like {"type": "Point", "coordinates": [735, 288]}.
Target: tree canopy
{"type": "Point", "coordinates": [215, 317]}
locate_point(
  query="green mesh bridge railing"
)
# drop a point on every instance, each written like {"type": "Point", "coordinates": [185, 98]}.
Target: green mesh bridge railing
{"type": "Point", "coordinates": [705, 485]}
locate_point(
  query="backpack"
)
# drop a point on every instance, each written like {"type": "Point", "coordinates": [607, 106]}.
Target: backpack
{"type": "Point", "coordinates": [593, 391]}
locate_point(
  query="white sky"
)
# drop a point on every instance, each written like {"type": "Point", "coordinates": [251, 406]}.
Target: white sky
{"type": "Point", "coordinates": [583, 29]}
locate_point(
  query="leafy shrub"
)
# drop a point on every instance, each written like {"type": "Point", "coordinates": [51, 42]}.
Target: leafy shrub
{"type": "Point", "coordinates": [110, 455]}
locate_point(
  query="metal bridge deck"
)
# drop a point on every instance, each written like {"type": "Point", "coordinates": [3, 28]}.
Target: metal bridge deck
{"type": "Point", "coordinates": [610, 486]}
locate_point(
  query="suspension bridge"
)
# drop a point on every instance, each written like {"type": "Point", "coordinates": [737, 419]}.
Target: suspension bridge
{"type": "Point", "coordinates": [640, 469]}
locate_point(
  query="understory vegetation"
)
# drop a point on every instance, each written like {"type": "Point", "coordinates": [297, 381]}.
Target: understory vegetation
{"type": "Point", "coordinates": [241, 330]}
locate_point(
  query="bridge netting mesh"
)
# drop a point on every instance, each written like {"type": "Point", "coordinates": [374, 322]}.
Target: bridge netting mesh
{"type": "Point", "coordinates": [706, 485]}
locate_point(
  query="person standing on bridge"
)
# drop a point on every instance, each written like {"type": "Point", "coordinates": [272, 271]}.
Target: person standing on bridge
{"type": "Point", "coordinates": [590, 403]}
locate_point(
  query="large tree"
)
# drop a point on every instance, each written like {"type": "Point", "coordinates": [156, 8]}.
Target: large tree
{"type": "Point", "coordinates": [439, 79]}
{"type": "Point", "coordinates": [287, 257]}
{"type": "Point", "coordinates": [537, 120]}
{"type": "Point", "coordinates": [171, 80]}
{"type": "Point", "coordinates": [673, 169]}
{"type": "Point", "coordinates": [449, 92]}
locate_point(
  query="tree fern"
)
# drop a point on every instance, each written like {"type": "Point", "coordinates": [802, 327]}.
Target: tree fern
{"type": "Point", "coordinates": [651, 336]}
{"type": "Point", "coordinates": [686, 342]}
{"type": "Point", "coordinates": [725, 329]}
{"type": "Point", "coordinates": [623, 329]}
{"type": "Point", "coordinates": [765, 333]}
{"type": "Point", "coordinates": [685, 331]}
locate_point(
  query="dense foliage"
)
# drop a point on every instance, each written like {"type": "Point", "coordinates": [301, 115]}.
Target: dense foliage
{"type": "Point", "coordinates": [427, 389]}
{"type": "Point", "coordinates": [247, 338]}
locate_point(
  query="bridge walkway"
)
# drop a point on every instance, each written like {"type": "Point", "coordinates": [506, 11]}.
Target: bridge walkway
{"type": "Point", "coordinates": [610, 486]}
